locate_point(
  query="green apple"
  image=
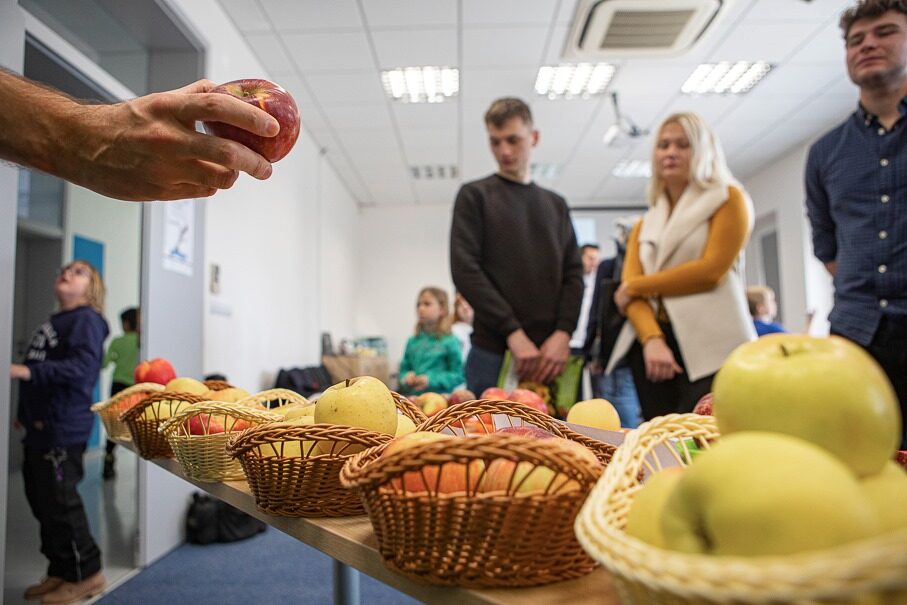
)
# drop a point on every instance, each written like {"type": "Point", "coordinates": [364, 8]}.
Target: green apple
{"type": "Point", "coordinates": [405, 426]}
{"type": "Point", "coordinates": [826, 390]}
{"type": "Point", "coordinates": [887, 491]}
{"type": "Point", "coordinates": [762, 494]}
{"type": "Point", "coordinates": [644, 518]}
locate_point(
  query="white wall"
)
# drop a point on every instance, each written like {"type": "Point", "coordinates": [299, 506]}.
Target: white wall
{"type": "Point", "coordinates": [778, 187]}
{"type": "Point", "coordinates": [402, 249]}
{"type": "Point", "coordinates": [119, 227]}
{"type": "Point", "coordinates": [285, 246]}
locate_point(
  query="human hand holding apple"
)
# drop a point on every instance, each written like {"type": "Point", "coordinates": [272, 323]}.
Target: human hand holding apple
{"type": "Point", "coordinates": [273, 99]}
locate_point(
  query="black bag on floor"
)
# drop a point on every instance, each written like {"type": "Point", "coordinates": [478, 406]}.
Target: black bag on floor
{"type": "Point", "coordinates": [209, 520]}
{"type": "Point", "coordinates": [305, 381]}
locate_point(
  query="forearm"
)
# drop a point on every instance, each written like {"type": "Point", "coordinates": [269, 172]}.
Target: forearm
{"type": "Point", "coordinates": [642, 317]}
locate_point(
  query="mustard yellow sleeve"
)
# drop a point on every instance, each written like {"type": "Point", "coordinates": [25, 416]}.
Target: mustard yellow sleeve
{"type": "Point", "coordinates": [728, 232]}
{"type": "Point", "coordinates": [639, 311]}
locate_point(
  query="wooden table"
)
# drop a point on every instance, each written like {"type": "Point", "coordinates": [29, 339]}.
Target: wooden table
{"type": "Point", "coordinates": [351, 542]}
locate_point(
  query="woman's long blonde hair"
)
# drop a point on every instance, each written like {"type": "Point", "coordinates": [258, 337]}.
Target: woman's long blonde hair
{"type": "Point", "coordinates": [708, 166]}
{"type": "Point", "coordinates": [445, 322]}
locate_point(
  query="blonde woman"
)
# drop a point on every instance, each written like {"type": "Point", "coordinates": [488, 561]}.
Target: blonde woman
{"type": "Point", "coordinates": [56, 380]}
{"type": "Point", "coordinates": [681, 290]}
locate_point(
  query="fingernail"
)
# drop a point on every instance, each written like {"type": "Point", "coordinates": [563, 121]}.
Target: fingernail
{"type": "Point", "coordinates": [267, 171]}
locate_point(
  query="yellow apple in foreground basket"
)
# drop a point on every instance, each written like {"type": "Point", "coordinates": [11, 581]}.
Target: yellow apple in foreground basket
{"type": "Point", "coordinates": [364, 402]}
{"type": "Point", "coordinates": [762, 494]}
{"type": "Point", "coordinates": [303, 411]}
{"type": "Point", "coordinates": [597, 413]}
{"type": "Point", "coordinates": [644, 518]}
{"type": "Point", "coordinates": [184, 384]}
{"type": "Point", "coordinates": [405, 426]}
{"type": "Point", "coordinates": [887, 491]}
{"type": "Point", "coordinates": [825, 390]}
{"type": "Point", "coordinates": [289, 449]}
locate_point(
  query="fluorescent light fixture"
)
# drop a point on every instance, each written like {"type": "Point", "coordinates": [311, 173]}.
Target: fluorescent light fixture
{"type": "Point", "coordinates": [421, 84]}
{"type": "Point", "coordinates": [726, 77]}
{"type": "Point", "coordinates": [633, 169]}
{"type": "Point", "coordinates": [573, 81]}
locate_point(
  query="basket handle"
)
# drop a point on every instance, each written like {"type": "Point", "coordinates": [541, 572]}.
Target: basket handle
{"type": "Point", "coordinates": [449, 417]}
{"type": "Point", "coordinates": [142, 387]}
{"type": "Point", "coordinates": [138, 409]}
{"type": "Point", "coordinates": [216, 408]}
{"type": "Point", "coordinates": [409, 409]}
{"type": "Point", "coordinates": [285, 395]}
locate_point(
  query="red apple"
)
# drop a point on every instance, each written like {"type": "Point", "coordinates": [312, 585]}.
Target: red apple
{"type": "Point", "coordinates": [527, 431]}
{"type": "Point", "coordinates": [530, 398]}
{"type": "Point", "coordinates": [494, 393]}
{"type": "Point", "coordinates": [156, 370]}
{"type": "Point", "coordinates": [453, 476]}
{"type": "Point", "coordinates": [526, 478]}
{"type": "Point", "coordinates": [240, 425]}
{"type": "Point", "coordinates": [203, 424]}
{"type": "Point", "coordinates": [704, 405]}
{"type": "Point", "coordinates": [273, 99]}
{"type": "Point", "coordinates": [129, 401]}
{"type": "Point", "coordinates": [461, 395]}
{"type": "Point", "coordinates": [901, 458]}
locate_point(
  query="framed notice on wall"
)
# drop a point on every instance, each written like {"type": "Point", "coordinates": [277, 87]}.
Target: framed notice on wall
{"type": "Point", "coordinates": [179, 236]}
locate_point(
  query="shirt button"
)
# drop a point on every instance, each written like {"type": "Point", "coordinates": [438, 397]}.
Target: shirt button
{"type": "Point", "coordinates": [883, 161]}
{"type": "Point", "coordinates": [883, 268]}
{"type": "Point", "coordinates": [883, 234]}
{"type": "Point", "coordinates": [881, 131]}
{"type": "Point", "coordinates": [883, 303]}
{"type": "Point", "coordinates": [885, 198]}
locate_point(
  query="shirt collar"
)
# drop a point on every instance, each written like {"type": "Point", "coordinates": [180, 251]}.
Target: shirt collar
{"type": "Point", "coordinates": [869, 119]}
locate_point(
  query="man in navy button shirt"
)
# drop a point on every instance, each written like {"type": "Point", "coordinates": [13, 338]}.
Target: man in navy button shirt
{"type": "Point", "coordinates": [856, 192]}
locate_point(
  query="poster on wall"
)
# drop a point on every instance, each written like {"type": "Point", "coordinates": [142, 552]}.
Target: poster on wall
{"type": "Point", "coordinates": [179, 236]}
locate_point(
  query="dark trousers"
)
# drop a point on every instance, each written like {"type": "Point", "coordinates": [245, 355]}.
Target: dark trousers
{"type": "Point", "coordinates": [115, 387]}
{"type": "Point", "coordinates": [51, 477]}
{"type": "Point", "coordinates": [482, 369]}
{"type": "Point", "coordinates": [677, 395]}
{"type": "Point", "coordinates": [889, 348]}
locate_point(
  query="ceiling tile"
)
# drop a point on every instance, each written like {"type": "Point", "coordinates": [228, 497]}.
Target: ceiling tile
{"type": "Point", "coordinates": [508, 12]}
{"type": "Point", "coordinates": [486, 85]}
{"type": "Point", "coordinates": [355, 117]}
{"type": "Point", "coordinates": [247, 16]}
{"type": "Point", "coordinates": [623, 189]}
{"type": "Point", "coordinates": [825, 46]}
{"type": "Point", "coordinates": [312, 14]}
{"type": "Point", "coordinates": [555, 50]}
{"type": "Point", "coordinates": [349, 88]}
{"type": "Point", "coordinates": [329, 52]}
{"type": "Point", "coordinates": [770, 41]}
{"type": "Point", "coordinates": [430, 145]}
{"type": "Point", "coordinates": [367, 142]}
{"type": "Point", "coordinates": [270, 52]}
{"type": "Point", "coordinates": [437, 191]}
{"type": "Point", "coordinates": [814, 12]}
{"type": "Point", "coordinates": [387, 193]}
{"type": "Point", "coordinates": [425, 115]}
{"type": "Point", "coordinates": [502, 47]}
{"type": "Point", "coordinates": [396, 14]}
{"type": "Point", "coordinates": [566, 11]}
{"type": "Point", "coordinates": [651, 77]}
{"type": "Point", "coordinates": [411, 47]}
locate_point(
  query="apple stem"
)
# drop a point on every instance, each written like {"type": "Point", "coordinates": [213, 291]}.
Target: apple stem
{"type": "Point", "coordinates": [784, 350]}
{"type": "Point", "coordinates": [348, 380]}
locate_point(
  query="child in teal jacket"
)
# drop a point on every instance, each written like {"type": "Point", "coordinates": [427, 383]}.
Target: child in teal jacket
{"type": "Point", "coordinates": [432, 360]}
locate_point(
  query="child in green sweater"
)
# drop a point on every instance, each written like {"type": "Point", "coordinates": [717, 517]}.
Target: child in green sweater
{"type": "Point", "coordinates": [123, 353]}
{"type": "Point", "coordinates": [432, 360]}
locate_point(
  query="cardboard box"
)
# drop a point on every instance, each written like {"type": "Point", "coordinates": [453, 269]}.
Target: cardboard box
{"type": "Point", "coordinates": [342, 367]}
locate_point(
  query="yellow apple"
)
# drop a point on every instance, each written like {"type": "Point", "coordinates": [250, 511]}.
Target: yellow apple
{"type": "Point", "coordinates": [826, 390]}
{"type": "Point", "coordinates": [405, 426]}
{"type": "Point", "coordinates": [230, 395]}
{"type": "Point", "coordinates": [887, 491]}
{"type": "Point", "coordinates": [364, 402]}
{"type": "Point", "coordinates": [596, 413]}
{"type": "Point", "coordinates": [644, 518]}
{"type": "Point", "coordinates": [763, 494]}
{"type": "Point", "coordinates": [165, 409]}
{"type": "Point", "coordinates": [432, 403]}
{"type": "Point", "coordinates": [289, 449]}
{"type": "Point", "coordinates": [303, 411]}
{"type": "Point", "coordinates": [184, 384]}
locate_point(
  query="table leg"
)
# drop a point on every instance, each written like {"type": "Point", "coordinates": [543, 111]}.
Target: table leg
{"type": "Point", "coordinates": [346, 584]}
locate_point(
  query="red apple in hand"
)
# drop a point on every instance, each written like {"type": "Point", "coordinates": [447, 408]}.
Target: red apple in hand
{"type": "Point", "coordinates": [156, 370]}
{"type": "Point", "coordinates": [273, 99]}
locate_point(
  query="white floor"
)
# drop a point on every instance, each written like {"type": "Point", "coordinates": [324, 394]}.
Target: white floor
{"type": "Point", "coordinates": [112, 514]}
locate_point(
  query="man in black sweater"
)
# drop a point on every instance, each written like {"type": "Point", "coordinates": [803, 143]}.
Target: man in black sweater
{"type": "Point", "coordinates": [514, 257]}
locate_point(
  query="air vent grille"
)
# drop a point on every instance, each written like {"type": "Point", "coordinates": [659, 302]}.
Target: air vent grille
{"type": "Point", "coordinates": [645, 29]}
{"type": "Point", "coordinates": [434, 171]}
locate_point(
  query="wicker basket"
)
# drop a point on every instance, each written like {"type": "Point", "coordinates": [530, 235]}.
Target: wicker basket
{"type": "Point", "coordinates": [144, 430]}
{"type": "Point", "coordinates": [217, 385]}
{"type": "Point", "coordinates": [110, 410]}
{"type": "Point", "coordinates": [273, 398]}
{"type": "Point", "coordinates": [469, 538]}
{"type": "Point", "coordinates": [204, 457]}
{"type": "Point", "coordinates": [481, 415]}
{"type": "Point", "coordinates": [867, 572]}
{"type": "Point", "coordinates": [306, 485]}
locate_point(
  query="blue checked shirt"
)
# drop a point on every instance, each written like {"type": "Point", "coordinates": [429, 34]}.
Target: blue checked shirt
{"type": "Point", "coordinates": [856, 200]}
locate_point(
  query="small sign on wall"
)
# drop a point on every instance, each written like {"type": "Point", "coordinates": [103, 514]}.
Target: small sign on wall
{"type": "Point", "coordinates": [179, 236]}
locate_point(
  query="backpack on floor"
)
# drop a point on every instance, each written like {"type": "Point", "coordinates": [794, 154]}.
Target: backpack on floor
{"type": "Point", "coordinates": [209, 520]}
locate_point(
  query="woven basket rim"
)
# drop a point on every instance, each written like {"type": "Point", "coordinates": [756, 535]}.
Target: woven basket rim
{"type": "Point", "coordinates": [171, 425]}
{"type": "Point", "coordinates": [271, 394]}
{"type": "Point", "coordinates": [879, 562]}
{"type": "Point", "coordinates": [274, 432]}
{"type": "Point", "coordinates": [142, 387]}
{"type": "Point", "coordinates": [218, 385]}
{"type": "Point", "coordinates": [140, 407]}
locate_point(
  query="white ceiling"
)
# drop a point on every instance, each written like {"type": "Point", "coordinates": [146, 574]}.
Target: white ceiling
{"type": "Point", "coordinates": [329, 55]}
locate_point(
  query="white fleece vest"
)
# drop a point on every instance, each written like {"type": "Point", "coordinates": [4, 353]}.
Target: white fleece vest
{"type": "Point", "coordinates": [708, 325]}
